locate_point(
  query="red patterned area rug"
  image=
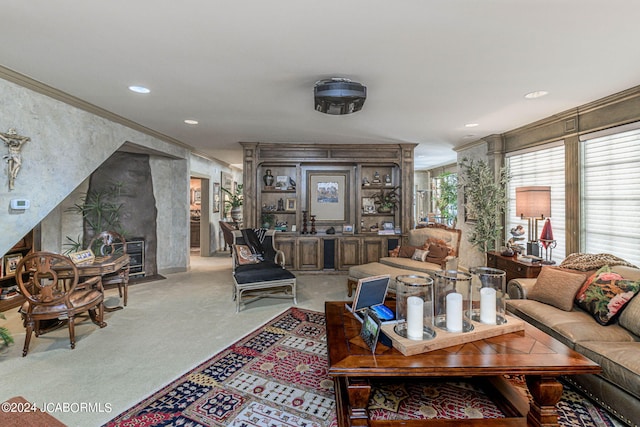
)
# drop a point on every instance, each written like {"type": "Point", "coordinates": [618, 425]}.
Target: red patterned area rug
{"type": "Point", "coordinates": [277, 376]}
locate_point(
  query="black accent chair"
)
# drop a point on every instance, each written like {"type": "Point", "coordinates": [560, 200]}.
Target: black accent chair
{"type": "Point", "coordinates": [258, 272]}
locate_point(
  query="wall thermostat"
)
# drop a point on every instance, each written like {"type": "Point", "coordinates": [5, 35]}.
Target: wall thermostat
{"type": "Point", "coordinates": [20, 204]}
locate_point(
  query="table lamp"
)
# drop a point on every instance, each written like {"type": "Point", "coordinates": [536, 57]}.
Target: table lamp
{"type": "Point", "coordinates": [533, 203]}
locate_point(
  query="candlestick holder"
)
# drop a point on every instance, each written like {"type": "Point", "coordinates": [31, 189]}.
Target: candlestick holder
{"type": "Point", "coordinates": [488, 295]}
{"type": "Point", "coordinates": [313, 224]}
{"type": "Point", "coordinates": [414, 307]}
{"type": "Point", "coordinates": [304, 223]}
{"type": "Point", "coordinates": [452, 301]}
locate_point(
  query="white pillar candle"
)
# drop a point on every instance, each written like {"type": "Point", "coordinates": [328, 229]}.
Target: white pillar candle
{"type": "Point", "coordinates": [454, 312]}
{"type": "Point", "coordinates": [415, 315]}
{"type": "Point", "coordinates": [488, 306]}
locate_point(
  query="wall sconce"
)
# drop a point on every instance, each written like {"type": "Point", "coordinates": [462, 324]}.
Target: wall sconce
{"type": "Point", "coordinates": [533, 203]}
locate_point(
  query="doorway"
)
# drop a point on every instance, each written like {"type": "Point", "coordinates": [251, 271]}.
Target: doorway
{"type": "Point", "coordinates": [199, 217]}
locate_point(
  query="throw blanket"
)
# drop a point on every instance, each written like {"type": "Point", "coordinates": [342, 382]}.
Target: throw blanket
{"type": "Point", "coordinates": [587, 262]}
{"type": "Point", "coordinates": [254, 239]}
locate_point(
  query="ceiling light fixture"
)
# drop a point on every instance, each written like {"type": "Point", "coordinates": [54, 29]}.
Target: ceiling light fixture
{"type": "Point", "coordinates": [339, 96]}
{"type": "Point", "coordinates": [471, 125]}
{"type": "Point", "coordinates": [191, 122]}
{"type": "Point", "coordinates": [139, 89]}
{"type": "Point", "coordinates": [536, 94]}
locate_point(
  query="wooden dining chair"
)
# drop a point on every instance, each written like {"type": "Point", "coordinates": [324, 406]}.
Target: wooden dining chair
{"type": "Point", "coordinates": [50, 284]}
{"type": "Point", "coordinates": [107, 243]}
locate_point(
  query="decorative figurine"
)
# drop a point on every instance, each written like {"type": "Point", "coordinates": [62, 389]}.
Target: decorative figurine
{"type": "Point", "coordinates": [376, 178]}
{"type": "Point", "coordinates": [292, 183]}
{"type": "Point", "coordinates": [280, 205]}
{"type": "Point", "coordinates": [14, 142]}
{"type": "Point", "coordinates": [365, 182]}
{"type": "Point", "coordinates": [268, 178]}
{"type": "Point", "coordinates": [387, 179]}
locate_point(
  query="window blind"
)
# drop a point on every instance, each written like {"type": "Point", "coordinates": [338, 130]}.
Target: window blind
{"type": "Point", "coordinates": [545, 167]}
{"type": "Point", "coordinates": [610, 201]}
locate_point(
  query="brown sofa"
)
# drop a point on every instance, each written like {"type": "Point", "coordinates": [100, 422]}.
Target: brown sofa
{"type": "Point", "coordinates": [615, 347]}
{"type": "Point", "coordinates": [399, 265]}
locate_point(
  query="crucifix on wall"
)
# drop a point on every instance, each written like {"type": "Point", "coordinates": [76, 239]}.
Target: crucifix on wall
{"type": "Point", "coordinates": [14, 142]}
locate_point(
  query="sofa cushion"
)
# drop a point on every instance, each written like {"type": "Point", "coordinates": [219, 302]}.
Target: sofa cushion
{"type": "Point", "coordinates": [630, 317]}
{"type": "Point", "coordinates": [619, 361]}
{"type": "Point", "coordinates": [605, 294]}
{"type": "Point", "coordinates": [244, 255]}
{"type": "Point", "coordinates": [408, 251]}
{"type": "Point", "coordinates": [410, 264]}
{"type": "Point", "coordinates": [266, 271]}
{"type": "Point", "coordinates": [437, 253]}
{"type": "Point", "coordinates": [567, 326]}
{"type": "Point", "coordinates": [557, 287]}
{"type": "Point", "coordinates": [420, 255]}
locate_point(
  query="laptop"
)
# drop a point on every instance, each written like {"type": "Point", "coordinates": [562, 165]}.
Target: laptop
{"type": "Point", "coordinates": [370, 294]}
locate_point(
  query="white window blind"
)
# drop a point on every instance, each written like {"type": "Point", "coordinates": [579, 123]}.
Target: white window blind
{"type": "Point", "coordinates": [611, 195]}
{"type": "Point", "coordinates": [545, 167]}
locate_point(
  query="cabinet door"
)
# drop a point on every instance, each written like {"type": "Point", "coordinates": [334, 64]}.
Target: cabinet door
{"type": "Point", "coordinates": [288, 246]}
{"type": "Point", "coordinates": [309, 254]}
{"type": "Point", "coordinates": [349, 252]}
{"type": "Point", "coordinates": [373, 249]}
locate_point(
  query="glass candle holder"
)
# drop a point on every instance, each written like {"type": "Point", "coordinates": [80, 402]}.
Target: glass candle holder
{"type": "Point", "coordinates": [414, 307]}
{"type": "Point", "coordinates": [488, 294]}
{"type": "Point", "coordinates": [452, 301]}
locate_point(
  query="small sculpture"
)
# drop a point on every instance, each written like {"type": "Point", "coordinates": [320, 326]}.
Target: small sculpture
{"type": "Point", "coordinates": [376, 177]}
{"type": "Point", "coordinates": [387, 179]}
{"type": "Point", "coordinates": [14, 142]}
{"type": "Point", "coordinates": [268, 178]}
{"type": "Point", "coordinates": [280, 204]}
{"type": "Point", "coordinates": [292, 183]}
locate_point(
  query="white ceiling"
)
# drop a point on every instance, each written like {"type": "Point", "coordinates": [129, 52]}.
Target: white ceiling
{"type": "Point", "coordinates": [245, 69]}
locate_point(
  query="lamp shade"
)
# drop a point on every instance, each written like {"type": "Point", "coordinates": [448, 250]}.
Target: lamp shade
{"type": "Point", "coordinates": [533, 202]}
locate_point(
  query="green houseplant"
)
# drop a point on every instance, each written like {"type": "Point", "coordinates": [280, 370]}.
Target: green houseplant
{"type": "Point", "coordinates": [234, 202]}
{"type": "Point", "coordinates": [5, 335]}
{"type": "Point", "coordinates": [447, 196]}
{"type": "Point", "coordinates": [386, 199]}
{"type": "Point", "coordinates": [100, 211]}
{"type": "Point", "coordinates": [485, 202]}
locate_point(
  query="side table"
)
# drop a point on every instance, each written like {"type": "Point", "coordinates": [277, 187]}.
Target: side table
{"type": "Point", "coordinates": [513, 266]}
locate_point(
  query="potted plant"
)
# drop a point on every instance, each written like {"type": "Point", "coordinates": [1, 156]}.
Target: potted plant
{"type": "Point", "coordinates": [5, 335]}
{"type": "Point", "coordinates": [386, 199]}
{"type": "Point", "coordinates": [447, 197]}
{"type": "Point", "coordinates": [486, 197]}
{"type": "Point", "coordinates": [268, 219]}
{"type": "Point", "coordinates": [235, 202]}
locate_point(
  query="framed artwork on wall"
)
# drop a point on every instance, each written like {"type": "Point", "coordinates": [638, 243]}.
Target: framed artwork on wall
{"type": "Point", "coordinates": [328, 195]}
{"type": "Point", "coordinates": [216, 197]}
{"type": "Point", "coordinates": [11, 262]}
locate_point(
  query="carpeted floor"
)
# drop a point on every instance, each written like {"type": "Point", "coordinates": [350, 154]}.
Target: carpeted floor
{"type": "Point", "coordinates": [277, 375]}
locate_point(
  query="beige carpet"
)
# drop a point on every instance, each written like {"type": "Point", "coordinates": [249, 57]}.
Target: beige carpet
{"type": "Point", "coordinates": [169, 327]}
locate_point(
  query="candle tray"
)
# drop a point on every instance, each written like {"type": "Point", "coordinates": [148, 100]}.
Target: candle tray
{"type": "Point", "coordinates": [445, 338]}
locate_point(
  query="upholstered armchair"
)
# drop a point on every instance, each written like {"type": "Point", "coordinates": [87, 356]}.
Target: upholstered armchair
{"type": "Point", "coordinates": [258, 268]}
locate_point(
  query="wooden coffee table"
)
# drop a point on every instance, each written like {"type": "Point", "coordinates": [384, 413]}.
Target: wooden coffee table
{"type": "Point", "coordinates": [532, 353]}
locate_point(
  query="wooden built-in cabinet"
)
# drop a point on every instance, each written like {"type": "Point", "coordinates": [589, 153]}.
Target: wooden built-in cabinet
{"type": "Point", "coordinates": [9, 297]}
{"type": "Point", "coordinates": [327, 253]}
{"type": "Point", "coordinates": [361, 171]}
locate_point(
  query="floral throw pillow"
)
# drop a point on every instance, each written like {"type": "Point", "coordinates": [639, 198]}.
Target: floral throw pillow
{"type": "Point", "coordinates": [605, 294]}
{"type": "Point", "coordinates": [244, 255]}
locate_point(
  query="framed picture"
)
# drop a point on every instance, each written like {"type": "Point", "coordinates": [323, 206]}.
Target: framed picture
{"type": "Point", "coordinates": [216, 197]}
{"type": "Point", "coordinates": [368, 205]}
{"type": "Point", "coordinates": [290, 205]}
{"type": "Point", "coordinates": [469, 214]}
{"type": "Point", "coordinates": [196, 196]}
{"type": "Point", "coordinates": [347, 229]}
{"type": "Point", "coordinates": [11, 262]}
{"type": "Point", "coordinates": [370, 331]}
{"type": "Point", "coordinates": [328, 195]}
{"type": "Point", "coordinates": [282, 182]}
{"type": "Point", "coordinates": [226, 182]}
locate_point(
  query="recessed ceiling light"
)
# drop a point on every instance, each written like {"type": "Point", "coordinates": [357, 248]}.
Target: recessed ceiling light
{"type": "Point", "coordinates": [139, 89]}
{"type": "Point", "coordinates": [536, 94]}
{"type": "Point", "coordinates": [471, 125]}
{"type": "Point", "coordinates": [191, 122]}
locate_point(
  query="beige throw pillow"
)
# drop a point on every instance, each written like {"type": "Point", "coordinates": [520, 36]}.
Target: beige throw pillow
{"type": "Point", "coordinates": [420, 255]}
{"type": "Point", "coordinates": [557, 287]}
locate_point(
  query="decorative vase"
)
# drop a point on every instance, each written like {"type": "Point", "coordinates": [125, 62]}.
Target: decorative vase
{"type": "Point", "coordinates": [236, 213]}
{"type": "Point", "coordinates": [268, 178]}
